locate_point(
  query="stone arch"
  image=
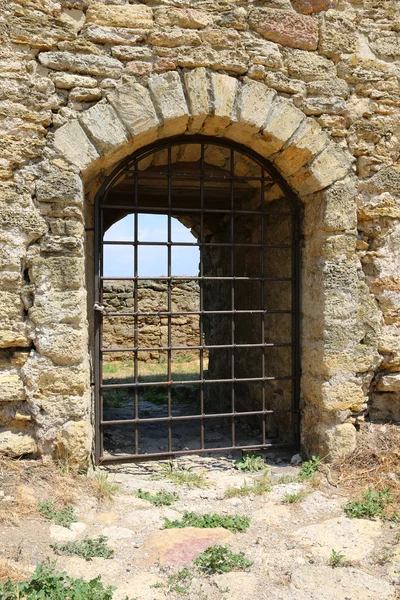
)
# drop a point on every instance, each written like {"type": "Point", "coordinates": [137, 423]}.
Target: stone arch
{"type": "Point", "coordinates": [83, 151]}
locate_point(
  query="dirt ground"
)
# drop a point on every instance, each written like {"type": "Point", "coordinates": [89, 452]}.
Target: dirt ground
{"type": "Point", "coordinates": [289, 543]}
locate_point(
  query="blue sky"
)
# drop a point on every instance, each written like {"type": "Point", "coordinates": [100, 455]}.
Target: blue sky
{"type": "Point", "coordinates": [118, 260]}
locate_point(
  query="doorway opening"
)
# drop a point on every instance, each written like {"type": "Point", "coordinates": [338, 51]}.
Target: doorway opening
{"type": "Point", "coordinates": [196, 303]}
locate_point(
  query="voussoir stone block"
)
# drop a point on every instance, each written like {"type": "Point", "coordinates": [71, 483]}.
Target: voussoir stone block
{"type": "Point", "coordinates": [330, 166]}
{"type": "Point", "coordinates": [128, 16]}
{"type": "Point", "coordinates": [86, 64]}
{"type": "Point", "coordinates": [285, 27]}
{"type": "Point", "coordinates": [199, 104]}
{"type": "Point", "coordinates": [168, 95]}
{"type": "Point", "coordinates": [253, 105]}
{"type": "Point", "coordinates": [224, 91]}
{"type": "Point", "coordinates": [104, 127]}
{"type": "Point", "coordinates": [73, 143]}
{"type": "Point", "coordinates": [283, 120]}
{"type": "Point", "coordinates": [134, 107]}
{"type": "Point", "coordinates": [305, 144]}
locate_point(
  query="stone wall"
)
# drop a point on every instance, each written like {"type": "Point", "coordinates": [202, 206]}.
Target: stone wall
{"type": "Point", "coordinates": [312, 85]}
{"type": "Point", "coordinates": [118, 332]}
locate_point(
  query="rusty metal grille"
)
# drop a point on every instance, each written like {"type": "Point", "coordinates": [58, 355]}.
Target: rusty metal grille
{"type": "Point", "coordinates": [246, 306]}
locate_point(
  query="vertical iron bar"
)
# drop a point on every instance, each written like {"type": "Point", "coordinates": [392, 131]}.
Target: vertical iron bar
{"type": "Point", "coordinates": [263, 354]}
{"type": "Point", "coordinates": [96, 324]}
{"type": "Point", "coordinates": [201, 296]}
{"type": "Point", "coordinates": [232, 191]}
{"type": "Point", "coordinates": [100, 329]}
{"type": "Point", "coordinates": [169, 375]}
{"type": "Point", "coordinates": [136, 308]}
{"type": "Point", "coordinates": [296, 266]}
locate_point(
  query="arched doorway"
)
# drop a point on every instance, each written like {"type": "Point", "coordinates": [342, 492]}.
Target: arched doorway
{"type": "Point", "coordinates": [244, 223]}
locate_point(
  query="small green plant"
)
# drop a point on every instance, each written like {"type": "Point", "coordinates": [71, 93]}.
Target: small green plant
{"type": "Point", "coordinates": [178, 583]}
{"type": "Point", "coordinates": [372, 505]}
{"type": "Point", "coordinates": [310, 467]}
{"type": "Point", "coordinates": [220, 559]}
{"type": "Point", "coordinates": [181, 475]}
{"type": "Point", "coordinates": [161, 498]}
{"type": "Point", "coordinates": [258, 488]}
{"type": "Point", "coordinates": [284, 479]}
{"type": "Point", "coordinates": [234, 523]}
{"type": "Point", "coordinates": [62, 516]}
{"type": "Point", "coordinates": [105, 487]}
{"type": "Point", "coordinates": [48, 584]}
{"type": "Point", "coordinates": [110, 368]}
{"type": "Point", "coordinates": [336, 559]}
{"type": "Point", "coordinates": [251, 463]}
{"type": "Point", "coordinates": [88, 548]}
{"type": "Point", "coordinates": [293, 498]}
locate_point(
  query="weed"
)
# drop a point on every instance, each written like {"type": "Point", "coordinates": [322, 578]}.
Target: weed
{"type": "Point", "coordinates": [234, 523]}
{"type": "Point", "coordinates": [161, 498]}
{"type": "Point", "coordinates": [48, 583]}
{"type": "Point", "coordinates": [88, 548]}
{"type": "Point", "coordinates": [179, 582]}
{"type": "Point", "coordinates": [382, 558]}
{"type": "Point", "coordinates": [220, 559]}
{"type": "Point", "coordinates": [260, 487]}
{"type": "Point", "coordinates": [105, 488]}
{"type": "Point", "coordinates": [251, 463]}
{"type": "Point", "coordinates": [110, 368]}
{"type": "Point", "coordinates": [181, 475]}
{"type": "Point", "coordinates": [372, 505]}
{"type": "Point", "coordinates": [336, 559]}
{"type": "Point", "coordinates": [283, 479]}
{"type": "Point", "coordinates": [310, 467]}
{"type": "Point", "coordinates": [63, 516]}
{"type": "Point", "coordinates": [293, 498]}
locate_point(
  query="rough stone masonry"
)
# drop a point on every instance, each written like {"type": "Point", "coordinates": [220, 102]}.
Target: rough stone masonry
{"type": "Point", "coordinates": [311, 85]}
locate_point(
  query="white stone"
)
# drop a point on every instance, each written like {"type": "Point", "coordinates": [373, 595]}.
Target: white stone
{"type": "Point", "coordinates": [167, 92]}
{"type": "Point", "coordinates": [117, 533]}
{"type": "Point", "coordinates": [104, 127]}
{"type": "Point", "coordinates": [224, 90]}
{"type": "Point", "coordinates": [134, 107]}
{"type": "Point", "coordinates": [389, 383]}
{"type": "Point", "coordinates": [61, 534]}
{"type": "Point", "coordinates": [67, 81]}
{"type": "Point", "coordinates": [329, 166]}
{"type": "Point", "coordinates": [74, 144]}
{"type": "Point", "coordinates": [196, 87]}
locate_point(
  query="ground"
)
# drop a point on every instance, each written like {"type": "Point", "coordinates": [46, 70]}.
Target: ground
{"type": "Point", "coordinates": [289, 543]}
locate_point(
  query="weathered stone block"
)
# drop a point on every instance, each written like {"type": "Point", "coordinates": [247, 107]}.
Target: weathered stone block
{"type": "Point", "coordinates": [285, 27]}
{"type": "Point", "coordinates": [308, 66]}
{"type": "Point", "coordinates": [14, 444]}
{"type": "Point", "coordinates": [235, 61]}
{"type": "Point", "coordinates": [330, 166]}
{"type": "Point", "coordinates": [26, 225]}
{"type": "Point", "coordinates": [66, 81]}
{"type": "Point", "coordinates": [338, 35]}
{"type": "Point", "coordinates": [224, 91]}
{"type": "Point", "coordinates": [64, 344]}
{"type": "Point", "coordinates": [129, 16]}
{"type": "Point", "coordinates": [76, 440]}
{"type": "Point", "coordinates": [196, 89]}
{"type": "Point", "coordinates": [172, 37]}
{"type": "Point", "coordinates": [182, 17]}
{"type": "Point", "coordinates": [100, 34]}
{"type": "Point", "coordinates": [263, 52]}
{"type": "Point", "coordinates": [305, 144]}
{"type": "Point", "coordinates": [59, 185]}
{"type": "Point", "coordinates": [73, 143]}
{"type": "Point", "coordinates": [103, 126]}
{"type": "Point", "coordinates": [11, 386]}
{"type": "Point", "coordinates": [38, 29]}
{"type": "Point", "coordinates": [254, 104]}
{"type": "Point", "coordinates": [308, 7]}
{"type": "Point", "coordinates": [389, 383]}
{"type": "Point", "coordinates": [57, 273]}
{"type": "Point", "coordinates": [283, 120]}
{"type": "Point", "coordinates": [168, 95]}
{"type": "Point", "coordinates": [86, 64]}
{"type": "Point", "coordinates": [134, 107]}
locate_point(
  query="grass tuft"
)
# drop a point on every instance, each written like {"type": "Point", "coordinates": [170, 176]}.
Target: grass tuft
{"type": "Point", "coordinates": [336, 559]}
{"type": "Point", "coordinates": [310, 467]}
{"type": "Point", "coordinates": [250, 463]}
{"type": "Point", "coordinates": [104, 487]}
{"type": "Point", "coordinates": [181, 475]}
{"type": "Point", "coordinates": [371, 506]}
{"type": "Point", "coordinates": [234, 523]}
{"type": "Point", "coordinates": [258, 488]}
{"type": "Point", "coordinates": [88, 548]}
{"type": "Point", "coordinates": [220, 559]}
{"type": "Point", "coordinates": [63, 516]}
{"type": "Point", "coordinates": [161, 498]}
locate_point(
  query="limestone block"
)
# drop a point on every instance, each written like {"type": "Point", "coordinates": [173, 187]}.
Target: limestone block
{"type": "Point", "coordinates": [386, 180]}
{"type": "Point", "coordinates": [167, 92]}
{"type": "Point", "coordinates": [389, 383]}
{"type": "Point", "coordinates": [86, 64]}
{"type": "Point", "coordinates": [235, 61]}
{"type": "Point", "coordinates": [339, 394]}
{"type": "Point", "coordinates": [308, 7]}
{"type": "Point", "coordinates": [58, 307]}
{"type": "Point", "coordinates": [135, 16]}
{"type": "Point", "coordinates": [134, 107]}
{"type": "Point", "coordinates": [64, 344]}
{"type": "Point", "coordinates": [319, 106]}
{"type": "Point", "coordinates": [283, 120]}
{"type": "Point", "coordinates": [304, 145]}
{"type": "Point", "coordinates": [37, 29]}
{"type": "Point", "coordinates": [11, 386]}
{"type": "Point", "coordinates": [196, 89]}
{"type": "Point", "coordinates": [103, 127]}
{"type": "Point", "coordinates": [14, 444]}
{"type": "Point", "coordinates": [82, 94]}
{"type": "Point", "coordinates": [11, 307]}
{"type": "Point", "coordinates": [308, 66]}
{"type": "Point", "coordinates": [25, 225]}
{"type": "Point", "coordinates": [76, 439]}
{"type": "Point", "coordinates": [182, 17]}
{"type": "Point", "coordinates": [334, 86]}
{"type": "Point", "coordinates": [263, 52]}
{"type": "Point", "coordinates": [172, 37]}
{"type": "Point", "coordinates": [221, 38]}
{"type": "Point", "coordinates": [100, 34]}
{"type": "Point", "coordinates": [67, 81]}
{"type": "Point", "coordinates": [132, 53]}
{"type": "Point", "coordinates": [338, 35]}
{"type": "Point", "coordinates": [387, 46]}
{"type": "Point", "coordinates": [58, 185]}
{"type": "Point", "coordinates": [254, 104]}
{"type": "Point", "coordinates": [334, 210]}
{"type": "Point", "coordinates": [385, 407]}
{"type": "Point", "coordinates": [73, 143]}
{"type": "Point", "coordinates": [224, 91]}
{"type": "Point", "coordinates": [236, 18]}
{"type": "Point", "coordinates": [331, 165]}
{"type": "Point", "coordinates": [57, 273]}
{"type": "Point", "coordinates": [285, 27]}
{"type": "Point", "coordinates": [378, 207]}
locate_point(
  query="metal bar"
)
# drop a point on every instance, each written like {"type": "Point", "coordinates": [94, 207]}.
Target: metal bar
{"type": "Point", "coordinates": [195, 244]}
{"type": "Point", "coordinates": [169, 302]}
{"type": "Point", "coordinates": [232, 224]}
{"type": "Point", "coordinates": [194, 417]}
{"type": "Point", "coordinates": [121, 458]}
{"type": "Point", "coordinates": [136, 310]}
{"type": "Point", "coordinates": [198, 312]}
{"type": "Point", "coordinates": [111, 386]}
{"type": "Point", "coordinates": [178, 209]}
{"type": "Point", "coordinates": [211, 347]}
{"type": "Point", "coordinates": [263, 357]}
{"type": "Point", "coordinates": [201, 299]}
{"type": "Point", "coordinates": [195, 278]}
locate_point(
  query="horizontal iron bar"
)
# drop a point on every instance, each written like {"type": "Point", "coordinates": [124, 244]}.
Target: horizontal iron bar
{"type": "Point", "coordinates": [171, 383]}
{"type": "Point", "coordinates": [195, 417]}
{"type": "Point", "coordinates": [129, 457]}
{"type": "Point", "coordinates": [170, 210]}
{"type": "Point", "coordinates": [197, 176]}
{"type": "Point", "coordinates": [194, 244]}
{"type": "Point", "coordinates": [195, 278]}
{"type": "Point", "coordinates": [198, 313]}
{"type": "Point", "coordinates": [216, 347]}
